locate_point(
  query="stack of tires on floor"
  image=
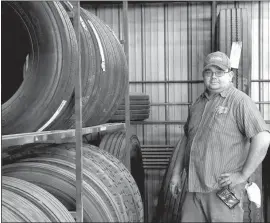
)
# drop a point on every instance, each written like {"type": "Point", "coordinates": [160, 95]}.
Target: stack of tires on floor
{"type": "Point", "coordinates": [139, 108]}
{"type": "Point", "coordinates": [39, 179]}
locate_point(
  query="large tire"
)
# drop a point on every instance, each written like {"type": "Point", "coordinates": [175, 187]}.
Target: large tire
{"type": "Point", "coordinates": [107, 169]}
{"type": "Point", "coordinates": [19, 209]}
{"type": "Point", "coordinates": [169, 208]}
{"type": "Point", "coordinates": [48, 84]}
{"type": "Point", "coordinates": [266, 186]}
{"type": "Point", "coordinates": [235, 25]}
{"type": "Point", "coordinates": [103, 87]}
{"type": "Point", "coordinates": [90, 75]}
{"type": "Point", "coordinates": [113, 95]}
{"type": "Point", "coordinates": [115, 144]}
{"type": "Point", "coordinates": [54, 210]}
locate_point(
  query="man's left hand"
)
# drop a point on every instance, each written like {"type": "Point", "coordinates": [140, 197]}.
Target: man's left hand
{"type": "Point", "coordinates": [231, 179]}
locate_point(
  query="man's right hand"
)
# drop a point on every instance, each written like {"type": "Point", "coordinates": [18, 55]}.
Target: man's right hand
{"type": "Point", "coordinates": [175, 185]}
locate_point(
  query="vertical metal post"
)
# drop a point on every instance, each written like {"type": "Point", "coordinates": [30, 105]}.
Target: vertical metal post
{"type": "Point", "coordinates": [214, 18]}
{"type": "Point", "coordinates": [78, 115]}
{"type": "Point", "coordinates": [260, 57]}
{"type": "Point", "coordinates": [127, 111]}
{"type": "Point", "coordinates": [166, 70]}
{"type": "Point", "coordinates": [189, 53]}
{"type": "Point", "coordinates": [143, 56]}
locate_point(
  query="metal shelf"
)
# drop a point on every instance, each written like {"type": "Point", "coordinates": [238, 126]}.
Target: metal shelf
{"type": "Point", "coordinates": [56, 136]}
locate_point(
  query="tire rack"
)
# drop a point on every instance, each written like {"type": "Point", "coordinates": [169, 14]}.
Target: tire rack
{"type": "Point", "coordinates": [75, 135]}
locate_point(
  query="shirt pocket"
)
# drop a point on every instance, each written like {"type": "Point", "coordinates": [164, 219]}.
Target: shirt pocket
{"type": "Point", "coordinates": [218, 122]}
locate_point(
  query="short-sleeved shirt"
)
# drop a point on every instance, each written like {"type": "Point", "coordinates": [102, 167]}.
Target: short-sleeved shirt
{"type": "Point", "coordinates": [218, 133]}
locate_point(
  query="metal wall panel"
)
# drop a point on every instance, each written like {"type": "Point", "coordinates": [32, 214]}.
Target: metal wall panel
{"type": "Point", "coordinates": [177, 60]}
{"type": "Point", "coordinates": [200, 42]}
{"type": "Point", "coordinates": [168, 42]}
{"type": "Point", "coordinates": [154, 69]}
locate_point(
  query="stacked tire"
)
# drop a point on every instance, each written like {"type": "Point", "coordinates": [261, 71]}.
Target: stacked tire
{"type": "Point", "coordinates": [25, 202]}
{"type": "Point", "coordinates": [53, 51]}
{"type": "Point", "coordinates": [104, 73]}
{"type": "Point", "coordinates": [139, 108]}
{"type": "Point", "coordinates": [115, 144]}
{"type": "Point", "coordinates": [169, 208]}
{"type": "Point", "coordinates": [110, 192]}
{"type": "Point", "coordinates": [234, 25]}
{"type": "Point", "coordinates": [45, 99]}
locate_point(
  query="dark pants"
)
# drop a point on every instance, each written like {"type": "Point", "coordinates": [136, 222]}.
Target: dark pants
{"type": "Point", "coordinates": [207, 207]}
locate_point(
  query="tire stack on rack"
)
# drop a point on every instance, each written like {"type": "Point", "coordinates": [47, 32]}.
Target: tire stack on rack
{"type": "Point", "coordinates": [44, 97]}
{"type": "Point", "coordinates": [139, 108]}
{"type": "Point", "coordinates": [110, 192]}
{"type": "Point", "coordinates": [234, 25]}
{"type": "Point", "coordinates": [115, 144]}
{"type": "Point", "coordinates": [104, 73]}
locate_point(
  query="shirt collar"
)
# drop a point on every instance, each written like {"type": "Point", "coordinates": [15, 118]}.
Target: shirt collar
{"type": "Point", "coordinates": [227, 91]}
{"type": "Point", "coordinates": [224, 93]}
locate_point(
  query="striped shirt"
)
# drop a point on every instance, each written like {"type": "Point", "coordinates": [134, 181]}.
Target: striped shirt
{"type": "Point", "coordinates": [218, 132]}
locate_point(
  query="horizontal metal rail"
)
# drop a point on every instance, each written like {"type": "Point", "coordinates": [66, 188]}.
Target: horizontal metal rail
{"type": "Point", "coordinates": [156, 146]}
{"type": "Point", "coordinates": [146, 167]}
{"type": "Point", "coordinates": [157, 153]}
{"type": "Point", "coordinates": [98, 3]}
{"type": "Point", "coordinates": [56, 136]}
{"type": "Point", "coordinates": [262, 102]}
{"type": "Point", "coordinates": [265, 81]}
{"type": "Point", "coordinates": [166, 122]}
{"type": "Point", "coordinates": [181, 82]}
{"type": "Point", "coordinates": [156, 159]}
{"type": "Point", "coordinates": [154, 156]}
{"type": "Point", "coordinates": [187, 103]}
{"type": "Point", "coordinates": [161, 152]}
{"type": "Point", "coordinates": [179, 103]}
{"type": "Point", "coordinates": [157, 162]}
{"type": "Point", "coordinates": [157, 122]}
{"type": "Point", "coordinates": [168, 82]}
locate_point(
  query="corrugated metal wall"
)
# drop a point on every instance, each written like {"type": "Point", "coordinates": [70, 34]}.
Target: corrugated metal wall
{"type": "Point", "coordinates": [168, 42]}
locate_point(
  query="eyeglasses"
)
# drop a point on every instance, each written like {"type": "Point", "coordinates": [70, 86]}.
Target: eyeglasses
{"type": "Point", "coordinates": [219, 73]}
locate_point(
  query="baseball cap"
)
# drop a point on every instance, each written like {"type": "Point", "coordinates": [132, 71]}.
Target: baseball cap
{"type": "Point", "coordinates": [217, 59]}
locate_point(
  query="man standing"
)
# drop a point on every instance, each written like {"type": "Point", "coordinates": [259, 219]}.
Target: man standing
{"type": "Point", "coordinates": [225, 140]}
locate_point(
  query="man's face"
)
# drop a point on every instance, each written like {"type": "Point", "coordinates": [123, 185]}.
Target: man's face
{"type": "Point", "coordinates": [216, 80]}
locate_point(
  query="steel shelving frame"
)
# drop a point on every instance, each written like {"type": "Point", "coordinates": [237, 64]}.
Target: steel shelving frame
{"type": "Point", "coordinates": [75, 135]}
